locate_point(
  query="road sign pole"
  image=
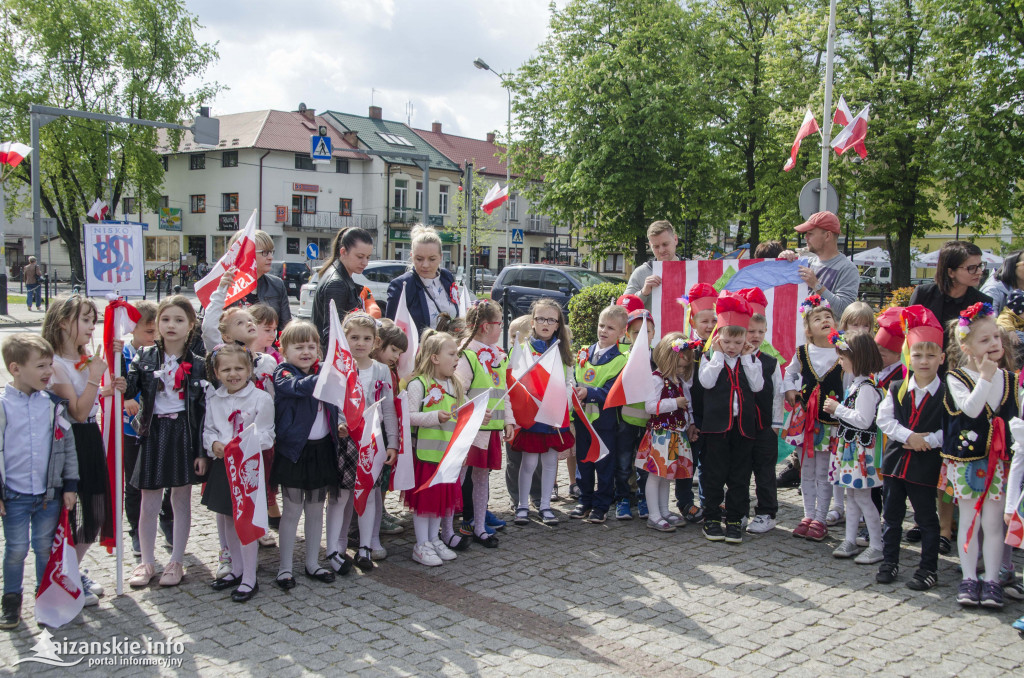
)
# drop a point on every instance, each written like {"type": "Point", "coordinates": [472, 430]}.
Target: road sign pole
{"type": "Point", "coordinates": [826, 122]}
{"type": "Point", "coordinates": [469, 226]}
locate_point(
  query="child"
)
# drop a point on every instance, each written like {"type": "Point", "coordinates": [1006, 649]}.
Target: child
{"type": "Point", "coordinates": [981, 397]}
{"type": "Point", "coordinates": [857, 317]}
{"type": "Point", "coordinates": [38, 466]}
{"type": "Point", "coordinates": [634, 417]}
{"type": "Point", "coordinates": [889, 339]}
{"type": "Point", "coordinates": [769, 414]}
{"type": "Point", "coordinates": [482, 367]}
{"type": "Point", "coordinates": [266, 323]}
{"type": "Point", "coordinates": [168, 376]}
{"type": "Point", "coordinates": [853, 461]}
{"type": "Point", "coordinates": [913, 425]}
{"type": "Point", "coordinates": [665, 449]}
{"type": "Point", "coordinates": [730, 379]}
{"type": "Point", "coordinates": [230, 408]}
{"type": "Point", "coordinates": [596, 370]}
{"type": "Point", "coordinates": [265, 318]}
{"type": "Point", "coordinates": [390, 347]}
{"type": "Point", "coordinates": [68, 327]}
{"type": "Point", "coordinates": [434, 395]}
{"type": "Point", "coordinates": [306, 456]}
{"type": "Point", "coordinates": [518, 331]}
{"type": "Point", "coordinates": [1013, 502]}
{"type": "Point", "coordinates": [541, 443]}
{"type": "Point", "coordinates": [812, 376]}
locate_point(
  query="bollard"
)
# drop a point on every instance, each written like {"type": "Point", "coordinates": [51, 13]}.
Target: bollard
{"type": "Point", "coordinates": [46, 290]}
{"type": "Point", "coordinates": [170, 280]}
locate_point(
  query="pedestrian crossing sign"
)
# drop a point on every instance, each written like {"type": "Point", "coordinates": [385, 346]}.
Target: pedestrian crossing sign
{"type": "Point", "coordinates": [320, 149]}
{"type": "Point", "coordinates": [517, 236]}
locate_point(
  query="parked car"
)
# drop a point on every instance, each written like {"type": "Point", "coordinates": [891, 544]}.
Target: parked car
{"type": "Point", "coordinates": [881, 276]}
{"type": "Point", "coordinates": [525, 283]}
{"type": "Point", "coordinates": [377, 276]}
{"type": "Point", "coordinates": [485, 277]}
{"type": "Point", "coordinates": [293, 273]}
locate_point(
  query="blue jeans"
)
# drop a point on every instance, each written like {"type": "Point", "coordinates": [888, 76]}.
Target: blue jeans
{"type": "Point", "coordinates": [34, 290]}
{"type": "Point", "coordinates": [596, 480]}
{"type": "Point", "coordinates": [25, 511]}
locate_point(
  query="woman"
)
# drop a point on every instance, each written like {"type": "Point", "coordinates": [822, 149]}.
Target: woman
{"type": "Point", "coordinates": [1009, 277]}
{"type": "Point", "coordinates": [350, 253]}
{"type": "Point", "coordinates": [430, 290]}
{"type": "Point", "coordinates": [957, 275]}
{"type": "Point", "coordinates": [270, 289]}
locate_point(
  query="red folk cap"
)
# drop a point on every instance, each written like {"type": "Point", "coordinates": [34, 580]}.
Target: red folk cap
{"type": "Point", "coordinates": [922, 325]}
{"type": "Point", "coordinates": [890, 329]}
{"type": "Point", "coordinates": [733, 310]}
{"type": "Point", "coordinates": [702, 297]}
{"type": "Point", "coordinates": [755, 297]}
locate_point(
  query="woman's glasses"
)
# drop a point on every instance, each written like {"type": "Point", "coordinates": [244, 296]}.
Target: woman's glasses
{"type": "Point", "coordinates": [974, 268]}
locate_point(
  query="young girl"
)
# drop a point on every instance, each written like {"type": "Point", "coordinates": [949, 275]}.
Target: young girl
{"type": "Point", "coordinates": [266, 322]}
{"type": "Point", "coordinates": [375, 378]}
{"type": "Point", "coordinates": [541, 443]}
{"type": "Point", "coordinates": [168, 375]}
{"type": "Point", "coordinates": [233, 406]}
{"type": "Point", "coordinates": [852, 465]}
{"type": "Point", "coordinates": [434, 394]}
{"type": "Point", "coordinates": [68, 326]}
{"type": "Point", "coordinates": [482, 366]}
{"type": "Point", "coordinates": [812, 376]}
{"type": "Point", "coordinates": [665, 449]}
{"type": "Point", "coordinates": [305, 455]}
{"type": "Point", "coordinates": [390, 347]}
{"type": "Point", "coordinates": [265, 318]}
{"type": "Point", "coordinates": [981, 398]}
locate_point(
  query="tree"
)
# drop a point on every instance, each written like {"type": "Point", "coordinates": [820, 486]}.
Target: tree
{"type": "Point", "coordinates": [121, 57]}
{"type": "Point", "coordinates": [483, 226]}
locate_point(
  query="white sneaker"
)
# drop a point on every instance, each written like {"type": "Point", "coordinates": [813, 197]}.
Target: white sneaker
{"type": "Point", "coordinates": [267, 540]}
{"type": "Point", "coordinates": [90, 599]}
{"type": "Point", "coordinates": [379, 553]}
{"type": "Point", "coordinates": [89, 585]}
{"type": "Point", "coordinates": [761, 524]}
{"type": "Point", "coordinates": [869, 557]}
{"type": "Point", "coordinates": [442, 551]}
{"type": "Point", "coordinates": [225, 563]}
{"type": "Point", "coordinates": [424, 555]}
{"type": "Point", "coordinates": [846, 550]}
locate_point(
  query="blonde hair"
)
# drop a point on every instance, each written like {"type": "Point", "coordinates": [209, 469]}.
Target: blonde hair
{"type": "Point", "coordinates": [424, 235]}
{"type": "Point", "coordinates": [261, 238]}
{"type": "Point", "coordinates": [19, 348]}
{"type": "Point", "coordinates": [299, 332]}
{"type": "Point", "coordinates": [959, 357]}
{"type": "Point", "coordinates": [66, 311]}
{"type": "Point", "coordinates": [479, 313]}
{"type": "Point", "coordinates": [431, 344]}
{"type": "Point", "coordinates": [359, 319]}
{"type": "Point", "coordinates": [614, 312]}
{"type": "Point", "coordinates": [669, 360]}
{"type": "Point", "coordinates": [860, 313]}
{"type": "Point", "coordinates": [222, 324]}
{"type": "Point", "coordinates": [659, 227]}
{"type": "Point", "coordinates": [520, 326]}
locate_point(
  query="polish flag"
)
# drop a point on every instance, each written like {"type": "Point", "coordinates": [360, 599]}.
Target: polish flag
{"type": "Point", "coordinates": [463, 300]}
{"type": "Point", "coordinates": [98, 211]}
{"type": "Point", "coordinates": [372, 454]}
{"type": "Point", "coordinates": [241, 255]}
{"type": "Point", "coordinates": [554, 401]}
{"type": "Point", "coordinates": [807, 128]}
{"type": "Point", "coordinates": [853, 135]}
{"type": "Point", "coordinates": [634, 381]}
{"type": "Point", "coordinates": [243, 462]}
{"type": "Point", "coordinates": [468, 420]}
{"type": "Point", "coordinates": [60, 597]}
{"type": "Point", "coordinates": [404, 475]}
{"type": "Point", "coordinates": [12, 153]}
{"type": "Point", "coordinates": [338, 381]}
{"type": "Point", "coordinates": [597, 450]}
{"type": "Point", "coordinates": [519, 359]}
{"type": "Point", "coordinates": [407, 361]}
{"type": "Point", "coordinates": [494, 198]}
{"type": "Point", "coordinates": [843, 115]}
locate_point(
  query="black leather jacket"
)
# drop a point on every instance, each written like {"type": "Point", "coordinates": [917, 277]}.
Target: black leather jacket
{"type": "Point", "coordinates": [270, 290]}
{"type": "Point", "coordinates": [336, 284]}
{"type": "Point", "coordinates": [141, 380]}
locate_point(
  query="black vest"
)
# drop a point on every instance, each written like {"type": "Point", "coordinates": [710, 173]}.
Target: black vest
{"type": "Point", "coordinates": [766, 396]}
{"type": "Point", "coordinates": [919, 468]}
{"type": "Point", "coordinates": [850, 434]}
{"type": "Point", "coordinates": [895, 375]}
{"type": "Point", "coordinates": [968, 439]}
{"type": "Point", "coordinates": [831, 383]}
{"type": "Point", "coordinates": [717, 400]}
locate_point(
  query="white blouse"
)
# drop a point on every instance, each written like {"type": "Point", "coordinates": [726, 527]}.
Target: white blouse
{"type": "Point", "coordinates": [252, 404]}
{"type": "Point", "coordinates": [64, 372]}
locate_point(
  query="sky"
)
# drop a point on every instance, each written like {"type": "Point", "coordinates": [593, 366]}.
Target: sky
{"type": "Point", "coordinates": [332, 54]}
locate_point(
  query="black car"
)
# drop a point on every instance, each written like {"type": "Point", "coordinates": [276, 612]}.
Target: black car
{"type": "Point", "coordinates": [525, 283]}
{"type": "Point", "coordinates": [293, 273]}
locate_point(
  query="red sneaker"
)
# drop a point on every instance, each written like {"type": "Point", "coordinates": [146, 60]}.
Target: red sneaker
{"type": "Point", "coordinates": [801, 529]}
{"type": "Point", "coordinates": [817, 531]}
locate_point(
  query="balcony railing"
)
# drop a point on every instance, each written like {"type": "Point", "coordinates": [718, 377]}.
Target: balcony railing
{"type": "Point", "coordinates": [411, 216]}
{"type": "Point", "coordinates": [330, 221]}
{"type": "Point", "coordinates": [540, 225]}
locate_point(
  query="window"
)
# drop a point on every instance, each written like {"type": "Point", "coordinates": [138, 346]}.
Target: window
{"type": "Point", "coordinates": [197, 204]}
{"type": "Point", "coordinates": [401, 193]}
{"type": "Point", "coordinates": [229, 159]}
{"type": "Point", "coordinates": [162, 247]}
{"type": "Point", "coordinates": [303, 161]}
{"type": "Point", "coordinates": [220, 243]}
{"type": "Point", "coordinates": [345, 207]}
{"type": "Point", "coordinates": [164, 202]}
{"type": "Point", "coordinates": [228, 202]}
{"type": "Point", "coordinates": [291, 245]}
{"type": "Point", "coordinates": [614, 263]}
{"type": "Point", "coordinates": [163, 162]}
{"type": "Point", "coordinates": [554, 281]}
{"type": "Point", "coordinates": [529, 277]}
{"type": "Point", "coordinates": [197, 161]}
{"type": "Point", "coordinates": [128, 206]}
{"type": "Point", "coordinates": [394, 139]}
{"type": "Point", "coordinates": [304, 203]}
{"type": "Point", "coordinates": [534, 255]}
{"type": "Point", "coordinates": [534, 222]}
{"type": "Point", "coordinates": [517, 255]}
{"type": "Point", "coordinates": [442, 199]}
{"type": "Point", "coordinates": [513, 208]}
{"type": "Point", "coordinates": [419, 195]}
{"type": "Point", "coordinates": [341, 166]}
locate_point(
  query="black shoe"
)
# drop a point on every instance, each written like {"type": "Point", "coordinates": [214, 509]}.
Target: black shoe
{"type": "Point", "coordinates": [11, 611]}
{"type": "Point", "coordinates": [789, 476]}
{"type": "Point", "coordinates": [489, 541]}
{"type": "Point", "coordinates": [597, 516]}
{"type": "Point", "coordinates": [457, 542]}
{"type": "Point", "coordinates": [923, 580]}
{"type": "Point", "coordinates": [340, 563]}
{"type": "Point", "coordinates": [240, 596]}
{"type": "Point", "coordinates": [913, 535]}
{"type": "Point", "coordinates": [733, 533]}
{"type": "Point", "coordinates": [321, 574]}
{"type": "Point", "coordinates": [713, 531]}
{"type": "Point", "coordinates": [581, 512]}
{"type": "Point", "coordinates": [945, 546]}
{"type": "Point", "coordinates": [363, 560]}
{"type": "Point", "coordinates": [226, 582]}
{"type": "Point", "coordinates": [285, 581]}
{"type": "Point", "coordinates": [887, 573]}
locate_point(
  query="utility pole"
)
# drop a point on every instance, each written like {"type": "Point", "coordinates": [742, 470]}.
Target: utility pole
{"type": "Point", "coordinates": [469, 224]}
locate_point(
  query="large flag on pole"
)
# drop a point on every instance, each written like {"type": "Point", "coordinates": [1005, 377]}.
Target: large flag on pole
{"type": "Point", "coordinates": [807, 128]}
{"type": "Point", "coordinates": [243, 462]}
{"type": "Point", "coordinates": [372, 454]}
{"type": "Point", "coordinates": [12, 153]}
{"type": "Point", "coordinates": [634, 381]}
{"type": "Point", "coordinates": [494, 198]}
{"type": "Point", "coordinates": [853, 135]}
{"type": "Point", "coordinates": [241, 255]}
{"type": "Point", "coordinates": [60, 597]}
{"type": "Point", "coordinates": [98, 211]}
{"type": "Point", "coordinates": [468, 420]}
{"type": "Point", "coordinates": [338, 381]}
{"type": "Point", "coordinates": [404, 475]}
{"type": "Point", "coordinates": [404, 321]}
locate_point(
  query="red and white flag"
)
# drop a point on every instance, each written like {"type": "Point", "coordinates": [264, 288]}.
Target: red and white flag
{"type": "Point", "coordinates": [527, 389]}
{"type": "Point", "coordinates": [468, 420]}
{"type": "Point", "coordinates": [372, 454]}
{"type": "Point", "coordinates": [60, 597]}
{"type": "Point", "coordinates": [554, 404]}
{"type": "Point", "coordinates": [98, 211]}
{"type": "Point", "coordinates": [338, 381]}
{"type": "Point", "coordinates": [597, 450]}
{"type": "Point", "coordinates": [494, 198]}
{"type": "Point", "coordinates": [241, 255]}
{"type": "Point", "coordinates": [853, 135]}
{"type": "Point", "coordinates": [842, 115]}
{"type": "Point", "coordinates": [403, 477]}
{"type": "Point", "coordinates": [807, 128]}
{"type": "Point", "coordinates": [243, 462]}
{"type": "Point", "coordinates": [12, 153]}
{"type": "Point", "coordinates": [634, 381]}
{"type": "Point", "coordinates": [404, 321]}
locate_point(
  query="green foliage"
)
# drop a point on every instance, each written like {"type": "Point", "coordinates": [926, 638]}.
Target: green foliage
{"type": "Point", "coordinates": [586, 306]}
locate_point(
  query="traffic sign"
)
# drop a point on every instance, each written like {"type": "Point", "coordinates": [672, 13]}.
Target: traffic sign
{"type": "Point", "coordinates": [810, 195]}
{"type": "Point", "coordinates": [312, 251]}
{"type": "Point", "coordinates": [320, 149]}
{"type": "Point", "coordinates": [517, 236]}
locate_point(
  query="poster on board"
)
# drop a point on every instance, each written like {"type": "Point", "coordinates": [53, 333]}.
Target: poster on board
{"type": "Point", "coordinates": [114, 259]}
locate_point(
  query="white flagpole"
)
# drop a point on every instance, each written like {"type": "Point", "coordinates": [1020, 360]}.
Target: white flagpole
{"type": "Point", "coordinates": [116, 418]}
{"type": "Point", "coordinates": [826, 121]}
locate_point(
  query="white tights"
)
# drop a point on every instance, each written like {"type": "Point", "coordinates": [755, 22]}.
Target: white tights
{"type": "Point", "coordinates": [656, 492]}
{"type": "Point", "coordinates": [149, 514]}
{"type": "Point", "coordinates": [369, 522]}
{"type": "Point", "coordinates": [858, 503]}
{"type": "Point", "coordinates": [337, 522]}
{"type": "Point", "coordinates": [426, 528]}
{"type": "Point", "coordinates": [549, 467]}
{"type": "Point", "coordinates": [243, 558]}
{"type": "Point", "coordinates": [814, 484]}
{"type": "Point", "coordinates": [990, 523]}
{"type": "Point", "coordinates": [314, 526]}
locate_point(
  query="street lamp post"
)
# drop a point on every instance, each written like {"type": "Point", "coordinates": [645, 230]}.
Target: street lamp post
{"type": "Point", "coordinates": [482, 65]}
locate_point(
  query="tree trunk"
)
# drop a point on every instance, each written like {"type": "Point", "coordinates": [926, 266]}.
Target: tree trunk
{"type": "Point", "coordinates": [900, 259]}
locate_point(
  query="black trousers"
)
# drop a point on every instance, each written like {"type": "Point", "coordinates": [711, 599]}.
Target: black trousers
{"type": "Point", "coordinates": [766, 454]}
{"type": "Point", "coordinates": [922, 499]}
{"type": "Point", "coordinates": [684, 487]}
{"type": "Point", "coordinates": [727, 463]}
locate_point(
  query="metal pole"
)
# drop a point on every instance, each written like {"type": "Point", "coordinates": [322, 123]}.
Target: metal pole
{"type": "Point", "coordinates": [469, 224]}
{"type": "Point", "coordinates": [36, 208]}
{"type": "Point", "coordinates": [3, 248]}
{"type": "Point", "coordinates": [826, 126]}
{"type": "Point", "coordinates": [508, 175]}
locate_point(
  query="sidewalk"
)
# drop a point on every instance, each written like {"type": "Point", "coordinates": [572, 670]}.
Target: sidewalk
{"type": "Point", "coordinates": [18, 314]}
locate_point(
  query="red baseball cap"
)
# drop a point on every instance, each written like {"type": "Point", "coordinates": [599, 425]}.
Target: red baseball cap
{"type": "Point", "coordinates": [826, 221]}
{"type": "Point", "coordinates": [630, 302]}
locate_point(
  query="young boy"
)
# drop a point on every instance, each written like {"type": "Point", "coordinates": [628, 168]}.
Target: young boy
{"type": "Point", "coordinates": [889, 339]}
{"type": "Point", "coordinates": [730, 380]}
{"type": "Point", "coordinates": [912, 459]}
{"type": "Point", "coordinates": [38, 465]}
{"type": "Point", "coordinates": [596, 370]}
{"type": "Point", "coordinates": [769, 414]}
{"type": "Point", "coordinates": [634, 417]}
{"type": "Point", "coordinates": [702, 321]}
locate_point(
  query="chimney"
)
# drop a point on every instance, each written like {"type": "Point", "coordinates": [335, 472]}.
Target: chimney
{"type": "Point", "coordinates": [351, 138]}
{"type": "Point", "coordinates": [376, 113]}
{"type": "Point", "coordinates": [307, 113]}
{"type": "Point", "coordinates": [490, 137]}
{"type": "Point", "coordinates": [435, 127]}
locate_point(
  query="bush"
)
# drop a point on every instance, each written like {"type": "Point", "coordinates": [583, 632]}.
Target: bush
{"type": "Point", "coordinates": [586, 306]}
{"type": "Point", "coordinates": [899, 297]}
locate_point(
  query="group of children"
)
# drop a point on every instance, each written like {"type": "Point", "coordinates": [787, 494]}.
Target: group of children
{"type": "Point", "coordinates": [871, 437]}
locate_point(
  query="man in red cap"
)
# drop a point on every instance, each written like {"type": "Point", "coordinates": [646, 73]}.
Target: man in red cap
{"type": "Point", "coordinates": [828, 273]}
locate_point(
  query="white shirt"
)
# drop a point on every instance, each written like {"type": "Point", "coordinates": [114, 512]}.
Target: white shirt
{"type": "Point", "coordinates": [822, 360]}
{"type": "Point", "coordinates": [710, 370]}
{"type": "Point", "coordinates": [1016, 475]}
{"type": "Point", "coordinates": [862, 414]}
{"type": "Point", "coordinates": [972, 403]}
{"type": "Point", "coordinates": [64, 372]}
{"type": "Point", "coordinates": [252, 404]}
{"type": "Point", "coordinates": [438, 301]}
{"type": "Point", "coordinates": [883, 373]}
{"type": "Point", "coordinates": [168, 401]}
{"type": "Point", "coordinates": [888, 425]}
{"type": "Point", "coordinates": [320, 424]}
